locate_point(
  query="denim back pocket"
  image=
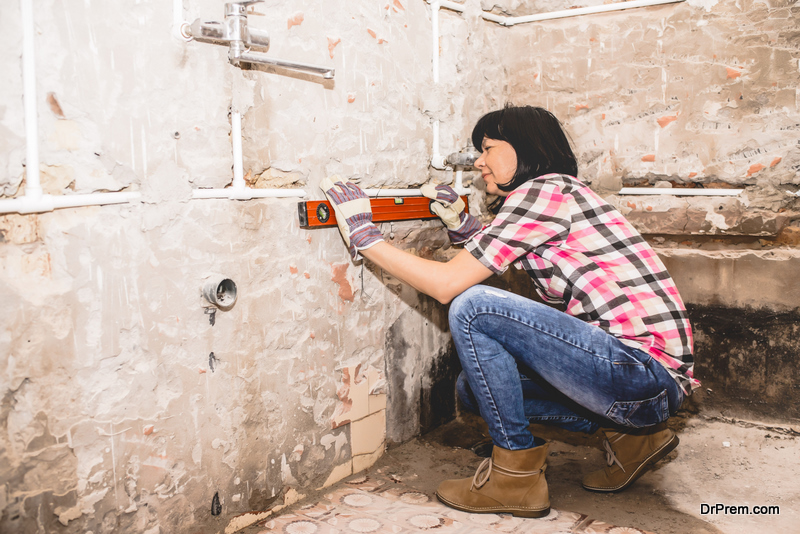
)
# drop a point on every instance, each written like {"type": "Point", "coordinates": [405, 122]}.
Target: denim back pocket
{"type": "Point", "coordinates": [641, 413]}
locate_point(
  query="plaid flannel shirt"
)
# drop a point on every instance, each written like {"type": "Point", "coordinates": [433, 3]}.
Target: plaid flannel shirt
{"type": "Point", "coordinates": [581, 252]}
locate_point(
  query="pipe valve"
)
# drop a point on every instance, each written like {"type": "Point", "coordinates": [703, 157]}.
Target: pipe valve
{"type": "Point", "coordinates": [242, 40]}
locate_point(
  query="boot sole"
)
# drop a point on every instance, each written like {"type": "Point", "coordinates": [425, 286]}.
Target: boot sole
{"type": "Point", "coordinates": [657, 455]}
{"type": "Point", "coordinates": [516, 512]}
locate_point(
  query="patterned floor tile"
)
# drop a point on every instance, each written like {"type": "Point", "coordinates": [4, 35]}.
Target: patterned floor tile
{"type": "Point", "coordinates": [375, 505]}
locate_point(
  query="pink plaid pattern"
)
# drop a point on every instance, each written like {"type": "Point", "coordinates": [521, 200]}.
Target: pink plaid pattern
{"type": "Point", "coordinates": [581, 252]}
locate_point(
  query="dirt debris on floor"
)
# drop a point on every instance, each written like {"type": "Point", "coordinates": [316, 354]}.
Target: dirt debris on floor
{"type": "Point", "coordinates": [720, 461]}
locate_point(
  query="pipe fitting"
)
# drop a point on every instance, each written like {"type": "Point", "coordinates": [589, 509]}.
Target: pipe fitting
{"type": "Point", "coordinates": [220, 292]}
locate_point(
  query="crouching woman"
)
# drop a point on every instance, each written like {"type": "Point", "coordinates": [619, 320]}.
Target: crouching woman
{"type": "Point", "coordinates": [612, 351]}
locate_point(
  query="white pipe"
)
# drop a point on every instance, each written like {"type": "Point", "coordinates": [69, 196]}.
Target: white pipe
{"type": "Point", "coordinates": [680, 191]}
{"type": "Point", "coordinates": [34, 200]}
{"type": "Point", "coordinates": [33, 188]}
{"type": "Point", "coordinates": [25, 205]}
{"type": "Point", "coordinates": [511, 21]}
{"type": "Point", "coordinates": [451, 5]}
{"type": "Point", "coordinates": [438, 161]}
{"type": "Point", "coordinates": [494, 18]}
{"type": "Point", "coordinates": [178, 20]}
{"type": "Point", "coordinates": [236, 143]}
{"type": "Point", "coordinates": [247, 193]}
{"type": "Point", "coordinates": [373, 193]}
{"type": "Point", "coordinates": [239, 189]}
{"type": "Point", "coordinates": [435, 25]}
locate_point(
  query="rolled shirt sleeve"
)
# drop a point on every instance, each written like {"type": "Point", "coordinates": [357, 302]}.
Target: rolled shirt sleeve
{"type": "Point", "coordinates": [533, 214]}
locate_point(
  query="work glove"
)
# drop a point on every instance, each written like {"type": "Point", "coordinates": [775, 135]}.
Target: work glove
{"type": "Point", "coordinates": [451, 210]}
{"type": "Point", "coordinates": [353, 214]}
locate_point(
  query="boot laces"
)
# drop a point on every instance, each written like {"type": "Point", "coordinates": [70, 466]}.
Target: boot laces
{"type": "Point", "coordinates": [487, 466]}
{"type": "Point", "coordinates": [482, 474]}
{"type": "Point", "coordinates": [611, 457]}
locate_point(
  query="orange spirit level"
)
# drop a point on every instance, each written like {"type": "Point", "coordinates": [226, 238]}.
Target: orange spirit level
{"type": "Point", "coordinates": [319, 213]}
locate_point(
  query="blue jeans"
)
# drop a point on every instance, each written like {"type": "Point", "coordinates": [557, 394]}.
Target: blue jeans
{"type": "Point", "coordinates": [527, 362]}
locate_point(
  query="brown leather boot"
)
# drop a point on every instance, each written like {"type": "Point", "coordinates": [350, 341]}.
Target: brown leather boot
{"type": "Point", "coordinates": [508, 482]}
{"type": "Point", "coordinates": [629, 456]}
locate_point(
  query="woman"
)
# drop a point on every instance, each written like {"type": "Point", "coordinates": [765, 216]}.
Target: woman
{"type": "Point", "coordinates": [620, 354]}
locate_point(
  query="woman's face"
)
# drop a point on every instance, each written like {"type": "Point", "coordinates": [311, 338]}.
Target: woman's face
{"type": "Point", "coordinates": [497, 164]}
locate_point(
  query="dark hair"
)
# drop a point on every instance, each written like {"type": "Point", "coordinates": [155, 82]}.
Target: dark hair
{"type": "Point", "coordinates": [537, 137]}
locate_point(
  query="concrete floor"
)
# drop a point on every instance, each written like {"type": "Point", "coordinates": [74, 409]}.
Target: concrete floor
{"type": "Point", "coordinates": [720, 460]}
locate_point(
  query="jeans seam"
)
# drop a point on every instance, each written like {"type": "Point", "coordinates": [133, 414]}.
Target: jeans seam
{"type": "Point", "coordinates": [492, 402]}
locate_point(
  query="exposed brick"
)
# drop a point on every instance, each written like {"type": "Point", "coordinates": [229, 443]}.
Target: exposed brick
{"type": "Point", "coordinates": [664, 121]}
{"type": "Point", "coordinates": [339, 276]}
{"type": "Point", "coordinates": [649, 157]}
{"type": "Point", "coordinates": [295, 20]}
{"type": "Point", "coordinates": [332, 44]}
{"type": "Point", "coordinates": [754, 169]}
{"type": "Point", "coordinates": [19, 229]}
{"type": "Point", "coordinates": [733, 73]}
{"type": "Point", "coordinates": [55, 107]}
{"type": "Point", "coordinates": [789, 236]}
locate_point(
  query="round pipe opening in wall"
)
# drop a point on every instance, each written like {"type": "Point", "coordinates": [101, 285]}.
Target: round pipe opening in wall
{"type": "Point", "coordinates": [221, 292]}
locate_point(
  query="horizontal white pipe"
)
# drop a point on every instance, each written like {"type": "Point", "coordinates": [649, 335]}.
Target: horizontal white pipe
{"type": "Point", "coordinates": [33, 188]}
{"type": "Point", "coordinates": [45, 203]}
{"type": "Point", "coordinates": [680, 191]}
{"type": "Point", "coordinates": [373, 193]}
{"type": "Point", "coordinates": [247, 193]}
{"type": "Point", "coordinates": [511, 21]}
{"type": "Point", "coordinates": [451, 5]}
{"type": "Point", "coordinates": [500, 19]}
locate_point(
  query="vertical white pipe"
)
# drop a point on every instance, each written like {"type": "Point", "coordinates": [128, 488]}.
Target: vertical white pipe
{"type": "Point", "coordinates": [435, 23]}
{"type": "Point", "coordinates": [459, 184]}
{"type": "Point", "coordinates": [33, 188]}
{"type": "Point", "coordinates": [177, 19]}
{"type": "Point", "coordinates": [236, 141]}
{"type": "Point", "coordinates": [436, 137]}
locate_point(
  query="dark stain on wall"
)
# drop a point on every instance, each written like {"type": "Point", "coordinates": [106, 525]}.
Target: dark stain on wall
{"type": "Point", "coordinates": [749, 358]}
{"type": "Point", "coordinates": [437, 395]}
{"type": "Point", "coordinates": [426, 399]}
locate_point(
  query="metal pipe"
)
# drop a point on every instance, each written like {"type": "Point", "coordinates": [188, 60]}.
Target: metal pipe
{"type": "Point", "coordinates": [680, 191]}
{"type": "Point", "coordinates": [255, 57]}
{"type": "Point", "coordinates": [512, 21]}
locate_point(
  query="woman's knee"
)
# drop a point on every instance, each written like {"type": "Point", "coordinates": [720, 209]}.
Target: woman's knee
{"type": "Point", "coordinates": [463, 307]}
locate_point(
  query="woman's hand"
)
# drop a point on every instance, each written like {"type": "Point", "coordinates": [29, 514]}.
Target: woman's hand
{"type": "Point", "coordinates": [353, 214]}
{"type": "Point", "coordinates": [451, 210]}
